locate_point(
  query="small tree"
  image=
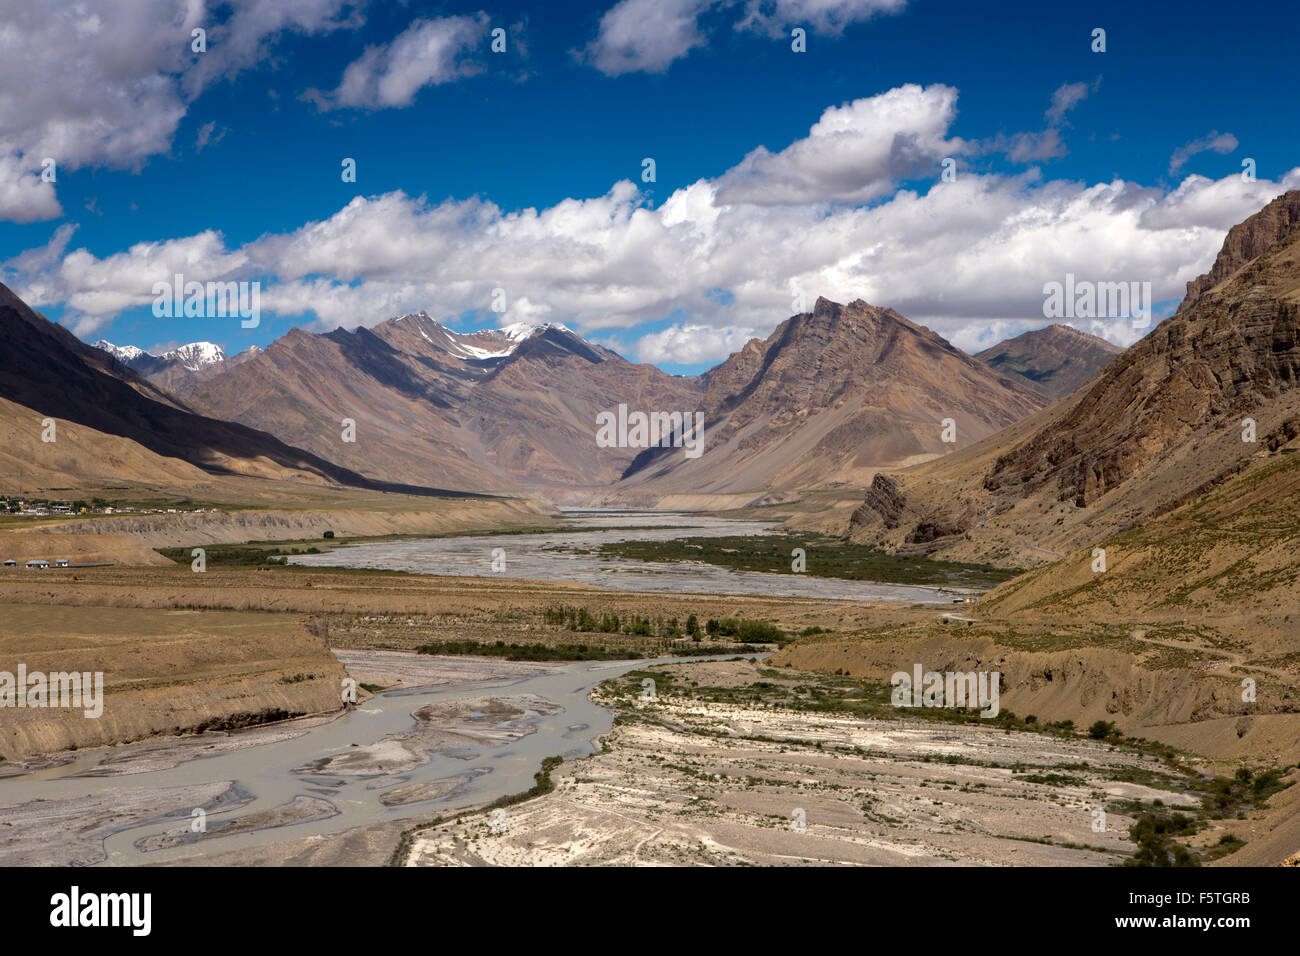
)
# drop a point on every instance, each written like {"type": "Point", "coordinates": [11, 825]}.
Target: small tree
{"type": "Point", "coordinates": [1101, 730]}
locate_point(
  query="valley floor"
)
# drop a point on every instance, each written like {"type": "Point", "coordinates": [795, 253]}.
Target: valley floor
{"type": "Point", "coordinates": [688, 782]}
{"type": "Point", "coordinates": [695, 777]}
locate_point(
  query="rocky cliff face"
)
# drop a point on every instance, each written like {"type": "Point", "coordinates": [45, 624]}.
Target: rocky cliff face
{"type": "Point", "coordinates": [1246, 241]}
{"type": "Point", "coordinates": [884, 502]}
{"type": "Point", "coordinates": [1229, 351]}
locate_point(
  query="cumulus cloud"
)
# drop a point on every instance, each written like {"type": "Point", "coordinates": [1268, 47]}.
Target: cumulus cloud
{"type": "Point", "coordinates": [712, 257]}
{"type": "Point", "coordinates": [648, 36]}
{"type": "Point", "coordinates": [27, 273]}
{"type": "Point", "coordinates": [854, 153]}
{"type": "Point", "coordinates": [1215, 142]}
{"type": "Point", "coordinates": [24, 195]}
{"type": "Point", "coordinates": [134, 78]}
{"type": "Point", "coordinates": [1207, 203]}
{"type": "Point", "coordinates": [427, 53]}
{"type": "Point", "coordinates": [691, 344]}
{"type": "Point", "coordinates": [94, 290]}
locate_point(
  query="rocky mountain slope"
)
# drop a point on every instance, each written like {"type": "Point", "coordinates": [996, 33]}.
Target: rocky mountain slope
{"type": "Point", "coordinates": [1054, 361]}
{"type": "Point", "coordinates": [1206, 393]}
{"type": "Point", "coordinates": [511, 409]}
{"type": "Point", "coordinates": [831, 397]}
{"type": "Point", "coordinates": [149, 434]}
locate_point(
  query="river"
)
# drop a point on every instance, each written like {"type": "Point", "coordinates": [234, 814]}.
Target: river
{"type": "Point", "coordinates": [568, 555]}
{"type": "Point", "coordinates": [346, 770]}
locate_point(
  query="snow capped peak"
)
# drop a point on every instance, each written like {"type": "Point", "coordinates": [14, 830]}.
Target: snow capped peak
{"type": "Point", "coordinates": [197, 355]}
{"type": "Point", "coordinates": [517, 332]}
{"type": "Point", "coordinates": [480, 345]}
{"type": "Point", "coordinates": [123, 353]}
{"type": "Point", "coordinates": [522, 330]}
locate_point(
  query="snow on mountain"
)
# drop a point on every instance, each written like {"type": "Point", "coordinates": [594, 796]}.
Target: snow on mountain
{"type": "Point", "coordinates": [197, 355]}
{"type": "Point", "coordinates": [123, 353]}
{"type": "Point", "coordinates": [478, 346]}
{"type": "Point", "coordinates": [520, 331]}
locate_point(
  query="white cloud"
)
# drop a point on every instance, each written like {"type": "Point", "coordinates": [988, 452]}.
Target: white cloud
{"type": "Point", "coordinates": [1040, 146]}
{"type": "Point", "coordinates": [95, 290]}
{"type": "Point", "coordinates": [957, 257]}
{"type": "Point", "coordinates": [29, 272]}
{"type": "Point", "coordinates": [689, 344]}
{"type": "Point", "coordinates": [24, 196]}
{"type": "Point", "coordinates": [1066, 98]}
{"type": "Point", "coordinates": [208, 135]}
{"type": "Point", "coordinates": [107, 84]}
{"type": "Point", "coordinates": [426, 53]}
{"type": "Point", "coordinates": [825, 17]}
{"type": "Point", "coordinates": [1210, 203]}
{"type": "Point", "coordinates": [854, 152]}
{"type": "Point", "coordinates": [1028, 147]}
{"type": "Point", "coordinates": [1215, 142]}
{"type": "Point", "coordinates": [646, 35]}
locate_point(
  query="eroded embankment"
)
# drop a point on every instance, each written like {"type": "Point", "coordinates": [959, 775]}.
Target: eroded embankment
{"type": "Point", "coordinates": [1196, 706]}
{"type": "Point", "coordinates": [163, 672]}
{"type": "Point", "coordinates": [24, 546]}
{"type": "Point", "coordinates": [236, 527]}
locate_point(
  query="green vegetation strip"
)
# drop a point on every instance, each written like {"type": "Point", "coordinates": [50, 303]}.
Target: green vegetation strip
{"type": "Point", "coordinates": [826, 557]}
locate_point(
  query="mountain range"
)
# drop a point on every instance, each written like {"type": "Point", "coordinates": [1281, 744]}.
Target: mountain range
{"type": "Point", "coordinates": [1188, 432]}
{"type": "Point", "coordinates": [1053, 361]}
{"type": "Point", "coordinates": [831, 397]}
{"type": "Point", "coordinates": [126, 427]}
{"type": "Point", "coordinates": [507, 410]}
{"type": "Point", "coordinates": [178, 370]}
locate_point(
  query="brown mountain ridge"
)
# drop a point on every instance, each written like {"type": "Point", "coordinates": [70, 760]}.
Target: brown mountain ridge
{"type": "Point", "coordinates": [51, 373]}
{"type": "Point", "coordinates": [1162, 424]}
{"type": "Point", "coordinates": [831, 397]}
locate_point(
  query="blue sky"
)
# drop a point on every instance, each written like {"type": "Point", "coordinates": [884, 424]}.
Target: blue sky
{"type": "Point", "coordinates": [1116, 165]}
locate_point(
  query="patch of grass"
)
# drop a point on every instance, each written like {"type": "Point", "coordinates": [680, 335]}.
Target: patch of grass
{"type": "Point", "coordinates": [826, 557]}
{"type": "Point", "coordinates": [530, 652]}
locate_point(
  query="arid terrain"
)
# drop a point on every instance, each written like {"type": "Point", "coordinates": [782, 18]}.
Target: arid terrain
{"type": "Point", "coordinates": [1148, 704]}
{"type": "Point", "coordinates": [739, 764]}
{"type": "Point", "coordinates": [713, 769]}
